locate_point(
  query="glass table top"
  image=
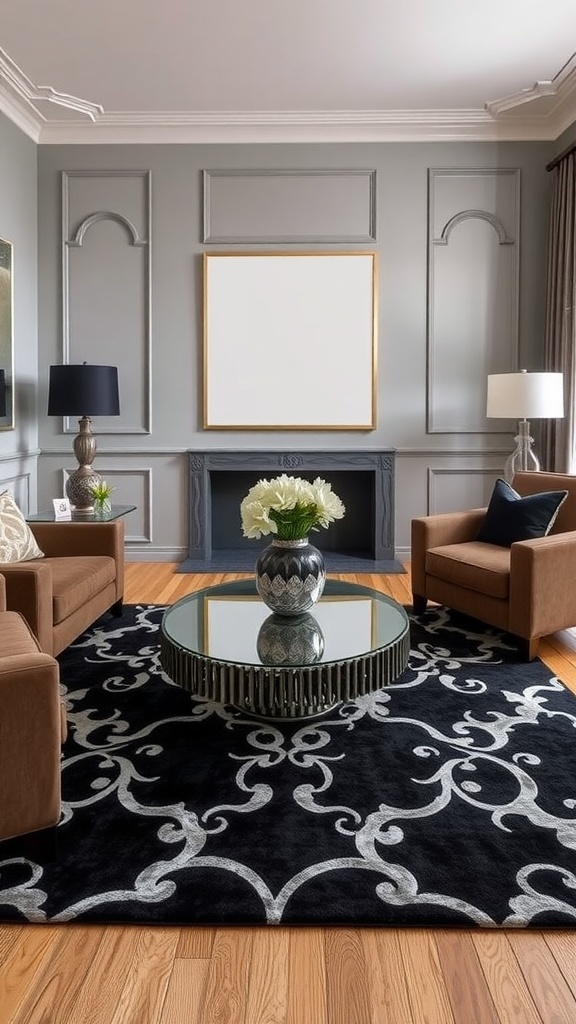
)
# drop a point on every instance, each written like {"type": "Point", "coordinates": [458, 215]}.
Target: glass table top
{"type": "Point", "coordinates": [230, 623]}
{"type": "Point", "coordinates": [116, 512]}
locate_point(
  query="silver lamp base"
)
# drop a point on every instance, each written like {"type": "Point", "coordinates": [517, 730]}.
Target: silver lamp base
{"type": "Point", "coordinates": [79, 489]}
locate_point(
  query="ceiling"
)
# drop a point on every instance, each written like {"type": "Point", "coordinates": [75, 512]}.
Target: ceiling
{"type": "Point", "coordinates": [82, 71]}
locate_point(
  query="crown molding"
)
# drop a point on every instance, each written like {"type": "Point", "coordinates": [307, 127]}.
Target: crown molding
{"type": "Point", "coordinates": [27, 105]}
{"type": "Point", "coordinates": [561, 86]}
{"type": "Point", "coordinates": [298, 126]}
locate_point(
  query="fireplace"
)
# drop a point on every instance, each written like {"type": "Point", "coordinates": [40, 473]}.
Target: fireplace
{"type": "Point", "coordinates": [363, 541]}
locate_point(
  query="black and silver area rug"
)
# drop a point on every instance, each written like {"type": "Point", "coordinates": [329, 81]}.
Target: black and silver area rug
{"type": "Point", "coordinates": [447, 799]}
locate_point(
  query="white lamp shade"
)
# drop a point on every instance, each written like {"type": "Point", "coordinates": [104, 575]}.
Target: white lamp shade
{"type": "Point", "coordinates": [525, 396]}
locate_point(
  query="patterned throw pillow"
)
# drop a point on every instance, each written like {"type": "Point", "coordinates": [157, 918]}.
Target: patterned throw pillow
{"type": "Point", "coordinates": [17, 542]}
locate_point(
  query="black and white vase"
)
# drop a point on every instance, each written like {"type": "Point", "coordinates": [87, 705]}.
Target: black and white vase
{"type": "Point", "coordinates": [290, 576]}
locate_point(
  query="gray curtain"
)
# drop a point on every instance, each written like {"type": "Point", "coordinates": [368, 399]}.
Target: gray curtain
{"type": "Point", "coordinates": [558, 436]}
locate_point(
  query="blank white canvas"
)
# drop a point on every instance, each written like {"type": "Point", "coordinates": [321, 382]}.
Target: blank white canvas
{"type": "Point", "coordinates": [289, 341]}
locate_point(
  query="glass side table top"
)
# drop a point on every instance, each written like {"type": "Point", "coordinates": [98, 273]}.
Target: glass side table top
{"type": "Point", "coordinates": [83, 517]}
{"type": "Point", "coordinates": [224, 643]}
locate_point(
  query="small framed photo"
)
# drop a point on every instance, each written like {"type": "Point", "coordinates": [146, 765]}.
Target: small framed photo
{"type": "Point", "coordinates": [62, 509]}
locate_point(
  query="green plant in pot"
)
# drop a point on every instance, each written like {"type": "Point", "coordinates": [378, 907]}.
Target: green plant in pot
{"type": "Point", "coordinates": [102, 492]}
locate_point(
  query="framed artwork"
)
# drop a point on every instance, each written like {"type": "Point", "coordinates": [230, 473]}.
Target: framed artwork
{"type": "Point", "coordinates": [6, 337]}
{"type": "Point", "coordinates": [289, 341]}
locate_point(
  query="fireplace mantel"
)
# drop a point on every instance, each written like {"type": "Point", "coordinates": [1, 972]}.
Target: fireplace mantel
{"type": "Point", "coordinates": [363, 478]}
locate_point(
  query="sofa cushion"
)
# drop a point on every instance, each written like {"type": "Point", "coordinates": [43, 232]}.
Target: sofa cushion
{"type": "Point", "coordinates": [17, 542]}
{"type": "Point", "coordinates": [475, 565]}
{"type": "Point", "coordinates": [76, 579]}
{"type": "Point", "coordinates": [510, 518]}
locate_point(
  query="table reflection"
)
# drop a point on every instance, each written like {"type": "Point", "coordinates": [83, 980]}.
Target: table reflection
{"type": "Point", "coordinates": [294, 640]}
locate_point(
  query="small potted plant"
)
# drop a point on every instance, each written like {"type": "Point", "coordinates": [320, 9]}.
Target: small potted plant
{"type": "Point", "coordinates": [101, 492]}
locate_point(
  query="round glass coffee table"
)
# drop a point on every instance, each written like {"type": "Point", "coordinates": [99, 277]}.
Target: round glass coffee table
{"type": "Point", "coordinates": [223, 644]}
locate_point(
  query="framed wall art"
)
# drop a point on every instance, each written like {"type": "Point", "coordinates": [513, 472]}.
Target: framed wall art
{"type": "Point", "coordinates": [290, 341]}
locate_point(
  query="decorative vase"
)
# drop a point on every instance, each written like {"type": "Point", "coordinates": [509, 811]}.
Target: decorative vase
{"type": "Point", "coordinates": [102, 507]}
{"type": "Point", "coordinates": [290, 576]}
{"type": "Point", "coordinates": [297, 640]}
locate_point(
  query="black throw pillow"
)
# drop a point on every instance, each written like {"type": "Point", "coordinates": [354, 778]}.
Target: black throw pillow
{"type": "Point", "coordinates": [510, 517]}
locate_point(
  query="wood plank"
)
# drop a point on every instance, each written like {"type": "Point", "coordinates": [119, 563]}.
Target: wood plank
{"type": "Point", "coordinates": [268, 992]}
{"type": "Point", "coordinates": [22, 967]}
{"type": "Point", "coordinates": [228, 977]}
{"type": "Point", "coordinates": [307, 999]}
{"type": "Point", "coordinates": [348, 983]}
{"type": "Point", "coordinates": [108, 971]}
{"type": "Point", "coordinates": [184, 1002]}
{"type": "Point", "coordinates": [388, 994]}
{"type": "Point", "coordinates": [195, 943]}
{"type": "Point", "coordinates": [504, 978]}
{"type": "Point", "coordinates": [562, 945]}
{"type": "Point", "coordinates": [142, 998]}
{"type": "Point", "coordinates": [468, 992]}
{"type": "Point", "coordinates": [9, 937]}
{"type": "Point", "coordinates": [60, 978]}
{"type": "Point", "coordinates": [552, 995]}
{"type": "Point", "coordinates": [427, 992]}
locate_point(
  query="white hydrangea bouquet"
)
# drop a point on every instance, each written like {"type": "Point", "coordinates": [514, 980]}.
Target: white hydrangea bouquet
{"type": "Point", "coordinates": [289, 507]}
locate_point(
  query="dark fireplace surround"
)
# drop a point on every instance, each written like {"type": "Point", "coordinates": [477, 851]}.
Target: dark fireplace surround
{"type": "Point", "coordinates": [363, 541]}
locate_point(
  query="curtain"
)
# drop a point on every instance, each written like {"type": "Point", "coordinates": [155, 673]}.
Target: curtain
{"type": "Point", "coordinates": [559, 436]}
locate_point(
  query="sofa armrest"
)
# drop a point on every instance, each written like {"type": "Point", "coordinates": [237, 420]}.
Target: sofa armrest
{"type": "Point", "coordinates": [2, 593]}
{"type": "Point", "coordinates": [543, 585]}
{"type": "Point", "coordinates": [435, 531]}
{"type": "Point", "coordinates": [69, 538]}
{"type": "Point", "coordinates": [30, 742]}
{"type": "Point", "coordinates": [29, 591]}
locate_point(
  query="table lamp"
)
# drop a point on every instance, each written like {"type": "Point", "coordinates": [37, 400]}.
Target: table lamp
{"type": "Point", "coordinates": [2, 393]}
{"type": "Point", "coordinates": [83, 390]}
{"type": "Point", "coordinates": [524, 396]}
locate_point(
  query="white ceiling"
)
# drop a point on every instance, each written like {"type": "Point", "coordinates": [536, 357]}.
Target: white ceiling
{"type": "Point", "coordinates": [82, 71]}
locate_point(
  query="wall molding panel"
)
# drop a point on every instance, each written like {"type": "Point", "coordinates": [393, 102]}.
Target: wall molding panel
{"type": "Point", "coordinates": [19, 484]}
{"type": "Point", "coordinates": [473, 292]}
{"type": "Point", "coordinates": [289, 206]}
{"type": "Point", "coordinates": [107, 286]}
{"type": "Point", "coordinates": [458, 488]}
{"type": "Point", "coordinates": [133, 487]}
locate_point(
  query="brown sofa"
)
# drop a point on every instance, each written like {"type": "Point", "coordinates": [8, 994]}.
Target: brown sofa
{"type": "Point", "coordinates": [528, 589]}
{"type": "Point", "coordinates": [80, 578]}
{"type": "Point", "coordinates": [32, 729]}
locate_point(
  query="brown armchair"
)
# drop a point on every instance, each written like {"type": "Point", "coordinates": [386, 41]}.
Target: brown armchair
{"type": "Point", "coordinates": [32, 729]}
{"type": "Point", "coordinates": [528, 589]}
{"type": "Point", "coordinates": [80, 578]}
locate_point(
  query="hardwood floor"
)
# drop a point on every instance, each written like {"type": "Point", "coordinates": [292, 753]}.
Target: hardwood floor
{"type": "Point", "coordinates": [73, 974]}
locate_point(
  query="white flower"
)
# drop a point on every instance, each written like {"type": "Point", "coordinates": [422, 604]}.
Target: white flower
{"type": "Point", "coordinates": [328, 504]}
{"type": "Point", "coordinates": [289, 506]}
{"type": "Point", "coordinates": [255, 519]}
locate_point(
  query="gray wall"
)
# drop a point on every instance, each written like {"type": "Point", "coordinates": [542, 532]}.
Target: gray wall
{"type": "Point", "coordinates": [144, 451]}
{"type": "Point", "coordinates": [18, 216]}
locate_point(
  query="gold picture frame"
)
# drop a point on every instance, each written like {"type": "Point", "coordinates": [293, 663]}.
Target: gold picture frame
{"type": "Point", "coordinates": [290, 340]}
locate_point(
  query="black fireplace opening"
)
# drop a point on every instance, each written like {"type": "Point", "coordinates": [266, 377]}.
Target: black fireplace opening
{"type": "Point", "coordinates": [353, 535]}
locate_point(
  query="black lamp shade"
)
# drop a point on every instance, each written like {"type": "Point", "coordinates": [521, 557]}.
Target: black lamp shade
{"type": "Point", "coordinates": [83, 390]}
{"type": "Point", "coordinates": [2, 393]}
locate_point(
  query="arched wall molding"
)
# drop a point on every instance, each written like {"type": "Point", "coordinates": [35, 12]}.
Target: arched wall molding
{"type": "Point", "coordinates": [464, 215]}
{"type": "Point", "coordinates": [473, 294]}
{"type": "Point", "coordinates": [101, 215]}
{"type": "Point", "coordinates": [138, 232]}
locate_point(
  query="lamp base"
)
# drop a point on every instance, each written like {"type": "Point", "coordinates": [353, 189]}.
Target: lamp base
{"type": "Point", "coordinates": [523, 458]}
{"type": "Point", "coordinates": [79, 489]}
